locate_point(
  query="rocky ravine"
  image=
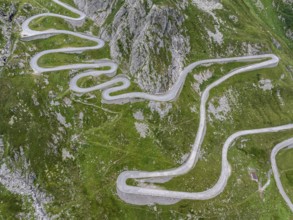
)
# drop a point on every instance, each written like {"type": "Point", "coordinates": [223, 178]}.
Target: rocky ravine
{"type": "Point", "coordinates": [140, 33]}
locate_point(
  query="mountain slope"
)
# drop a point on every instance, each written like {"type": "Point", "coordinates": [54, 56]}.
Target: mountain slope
{"type": "Point", "coordinates": [71, 149]}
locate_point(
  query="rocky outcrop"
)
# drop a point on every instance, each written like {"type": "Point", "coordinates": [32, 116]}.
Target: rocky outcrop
{"type": "Point", "coordinates": [21, 182]}
{"type": "Point", "coordinates": [97, 10]}
{"type": "Point", "coordinates": [7, 13]}
{"type": "Point", "coordinates": [147, 40]}
{"type": "Point", "coordinates": [18, 184]}
{"type": "Point", "coordinates": [285, 10]}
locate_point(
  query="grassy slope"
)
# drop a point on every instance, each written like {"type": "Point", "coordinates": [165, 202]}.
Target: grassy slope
{"type": "Point", "coordinates": [108, 143]}
{"type": "Point", "coordinates": [10, 204]}
{"type": "Point", "coordinates": [284, 161]}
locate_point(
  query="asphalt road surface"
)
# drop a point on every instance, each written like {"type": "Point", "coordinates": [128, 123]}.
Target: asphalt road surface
{"type": "Point", "coordinates": [145, 195]}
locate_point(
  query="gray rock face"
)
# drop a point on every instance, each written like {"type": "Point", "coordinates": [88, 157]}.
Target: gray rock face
{"type": "Point", "coordinates": [22, 182]}
{"type": "Point", "coordinates": [7, 12]}
{"type": "Point", "coordinates": [140, 34]}
{"type": "Point", "coordinates": [18, 184]}
{"type": "Point", "coordinates": [289, 34]}
{"type": "Point", "coordinates": [98, 10]}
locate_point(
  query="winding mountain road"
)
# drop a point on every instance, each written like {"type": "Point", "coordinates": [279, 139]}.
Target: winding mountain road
{"type": "Point", "coordinates": [144, 195]}
{"type": "Point", "coordinates": [277, 148]}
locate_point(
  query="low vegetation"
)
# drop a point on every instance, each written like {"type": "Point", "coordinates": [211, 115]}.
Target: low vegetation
{"type": "Point", "coordinates": [103, 140]}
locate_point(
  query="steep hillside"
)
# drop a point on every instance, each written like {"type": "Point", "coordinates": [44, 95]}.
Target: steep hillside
{"type": "Point", "coordinates": [178, 32]}
{"type": "Point", "coordinates": [62, 152]}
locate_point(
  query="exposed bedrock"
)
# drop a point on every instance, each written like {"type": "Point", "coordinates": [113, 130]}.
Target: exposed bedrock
{"type": "Point", "coordinates": [7, 13]}
{"type": "Point", "coordinates": [140, 34]}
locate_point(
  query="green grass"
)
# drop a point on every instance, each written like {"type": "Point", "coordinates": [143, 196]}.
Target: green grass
{"type": "Point", "coordinates": [107, 142]}
{"type": "Point", "coordinates": [46, 23]}
{"type": "Point", "coordinates": [58, 59]}
{"type": "Point", "coordinates": [284, 162]}
{"type": "Point", "coordinates": [10, 204]}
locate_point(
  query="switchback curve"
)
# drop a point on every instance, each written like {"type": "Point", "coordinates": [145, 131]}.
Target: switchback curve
{"type": "Point", "coordinates": [134, 194]}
